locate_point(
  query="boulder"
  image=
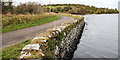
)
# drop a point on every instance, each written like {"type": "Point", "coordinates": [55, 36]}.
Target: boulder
{"type": "Point", "coordinates": [57, 50]}
{"type": "Point", "coordinates": [23, 55]}
{"type": "Point", "coordinates": [31, 46]}
{"type": "Point", "coordinates": [75, 20]}
{"type": "Point", "coordinates": [39, 38]}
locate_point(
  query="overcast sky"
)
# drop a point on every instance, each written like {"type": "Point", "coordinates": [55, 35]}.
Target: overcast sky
{"type": "Point", "coordinates": [97, 3]}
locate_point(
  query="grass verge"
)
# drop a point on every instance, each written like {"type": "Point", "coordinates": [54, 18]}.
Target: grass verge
{"type": "Point", "coordinates": [27, 23]}
{"type": "Point", "coordinates": [14, 50]}
{"type": "Point", "coordinates": [73, 16]}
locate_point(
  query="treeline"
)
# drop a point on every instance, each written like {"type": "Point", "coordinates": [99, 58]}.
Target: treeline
{"type": "Point", "coordinates": [26, 8]}
{"type": "Point", "coordinates": [65, 5]}
{"type": "Point", "coordinates": [34, 8]}
{"type": "Point", "coordinates": [80, 9]}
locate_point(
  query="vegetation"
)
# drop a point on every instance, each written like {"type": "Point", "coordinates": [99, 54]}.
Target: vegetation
{"type": "Point", "coordinates": [29, 7]}
{"type": "Point", "coordinates": [14, 50]}
{"type": "Point", "coordinates": [73, 16]}
{"type": "Point", "coordinates": [80, 9]}
{"type": "Point", "coordinates": [14, 22]}
{"type": "Point", "coordinates": [24, 15]}
{"type": "Point", "coordinates": [7, 8]}
{"type": "Point", "coordinates": [56, 40]}
{"type": "Point", "coordinates": [32, 14]}
{"type": "Point", "coordinates": [26, 8]}
{"type": "Point", "coordinates": [51, 45]}
{"type": "Point", "coordinates": [34, 8]}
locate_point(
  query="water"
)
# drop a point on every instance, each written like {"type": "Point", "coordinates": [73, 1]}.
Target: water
{"type": "Point", "coordinates": [100, 37]}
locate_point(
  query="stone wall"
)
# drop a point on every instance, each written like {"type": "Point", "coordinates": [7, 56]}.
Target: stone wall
{"type": "Point", "coordinates": [65, 36]}
{"type": "Point", "coordinates": [69, 43]}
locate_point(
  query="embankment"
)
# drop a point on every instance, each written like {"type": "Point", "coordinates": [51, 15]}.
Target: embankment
{"type": "Point", "coordinates": [69, 43]}
{"type": "Point", "coordinates": [58, 42]}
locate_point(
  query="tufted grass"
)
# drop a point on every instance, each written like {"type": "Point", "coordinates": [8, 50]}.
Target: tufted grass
{"type": "Point", "coordinates": [11, 23]}
{"type": "Point", "coordinates": [69, 15]}
{"type": "Point", "coordinates": [14, 50]}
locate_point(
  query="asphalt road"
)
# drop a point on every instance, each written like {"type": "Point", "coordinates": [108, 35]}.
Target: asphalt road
{"type": "Point", "coordinates": [17, 36]}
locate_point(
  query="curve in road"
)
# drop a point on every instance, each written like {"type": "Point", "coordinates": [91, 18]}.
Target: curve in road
{"type": "Point", "coordinates": [20, 35]}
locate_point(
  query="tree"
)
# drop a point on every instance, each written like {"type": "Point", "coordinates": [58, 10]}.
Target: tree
{"type": "Point", "coordinates": [7, 7]}
{"type": "Point", "coordinates": [59, 9]}
{"type": "Point", "coordinates": [30, 7]}
{"type": "Point", "coordinates": [67, 8]}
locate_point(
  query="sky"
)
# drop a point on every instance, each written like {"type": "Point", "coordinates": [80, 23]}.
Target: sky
{"type": "Point", "coordinates": [97, 3]}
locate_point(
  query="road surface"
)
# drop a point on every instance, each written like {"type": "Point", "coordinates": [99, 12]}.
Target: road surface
{"type": "Point", "coordinates": [17, 36]}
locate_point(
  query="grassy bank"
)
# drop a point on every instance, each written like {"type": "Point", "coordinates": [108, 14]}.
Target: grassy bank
{"type": "Point", "coordinates": [14, 50]}
{"type": "Point", "coordinates": [80, 9]}
{"type": "Point", "coordinates": [69, 15]}
{"type": "Point", "coordinates": [15, 22]}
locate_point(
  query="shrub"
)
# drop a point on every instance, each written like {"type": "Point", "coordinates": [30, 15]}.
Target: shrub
{"type": "Point", "coordinates": [31, 8]}
{"type": "Point", "coordinates": [7, 7]}
{"type": "Point", "coordinates": [59, 9]}
{"type": "Point", "coordinates": [67, 8]}
{"type": "Point", "coordinates": [91, 11]}
{"type": "Point", "coordinates": [78, 11]}
{"type": "Point", "coordinates": [82, 11]}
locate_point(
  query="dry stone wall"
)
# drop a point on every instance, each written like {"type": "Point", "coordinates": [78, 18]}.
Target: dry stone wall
{"type": "Point", "coordinates": [65, 36]}
{"type": "Point", "coordinates": [69, 43]}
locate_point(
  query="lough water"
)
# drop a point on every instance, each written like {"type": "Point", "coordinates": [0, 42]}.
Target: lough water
{"type": "Point", "coordinates": [100, 37]}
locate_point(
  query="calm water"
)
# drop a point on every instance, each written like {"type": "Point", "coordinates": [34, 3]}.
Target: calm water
{"type": "Point", "coordinates": [100, 37]}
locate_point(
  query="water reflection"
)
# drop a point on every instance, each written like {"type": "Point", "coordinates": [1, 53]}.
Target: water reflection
{"type": "Point", "coordinates": [100, 37]}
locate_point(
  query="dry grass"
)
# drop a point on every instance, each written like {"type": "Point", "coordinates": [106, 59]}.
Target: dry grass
{"type": "Point", "coordinates": [14, 22]}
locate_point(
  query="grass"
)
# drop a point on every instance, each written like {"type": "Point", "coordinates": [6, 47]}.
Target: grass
{"type": "Point", "coordinates": [14, 50]}
{"type": "Point", "coordinates": [54, 6]}
{"type": "Point", "coordinates": [56, 40]}
{"type": "Point", "coordinates": [73, 16]}
{"type": "Point", "coordinates": [27, 22]}
{"type": "Point", "coordinates": [51, 45]}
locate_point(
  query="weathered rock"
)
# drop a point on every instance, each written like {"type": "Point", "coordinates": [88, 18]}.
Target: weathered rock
{"type": "Point", "coordinates": [23, 52]}
{"type": "Point", "coordinates": [32, 46]}
{"type": "Point", "coordinates": [57, 32]}
{"type": "Point", "coordinates": [42, 54]}
{"type": "Point", "coordinates": [23, 55]}
{"type": "Point", "coordinates": [69, 43]}
{"type": "Point", "coordinates": [57, 50]}
{"type": "Point", "coordinates": [62, 27]}
{"type": "Point", "coordinates": [75, 20]}
{"type": "Point", "coordinates": [39, 38]}
{"type": "Point", "coordinates": [49, 36]}
{"type": "Point", "coordinates": [43, 40]}
{"type": "Point", "coordinates": [59, 29]}
{"type": "Point", "coordinates": [64, 34]}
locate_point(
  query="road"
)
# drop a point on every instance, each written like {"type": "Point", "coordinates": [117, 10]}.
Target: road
{"type": "Point", "coordinates": [17, 36]}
